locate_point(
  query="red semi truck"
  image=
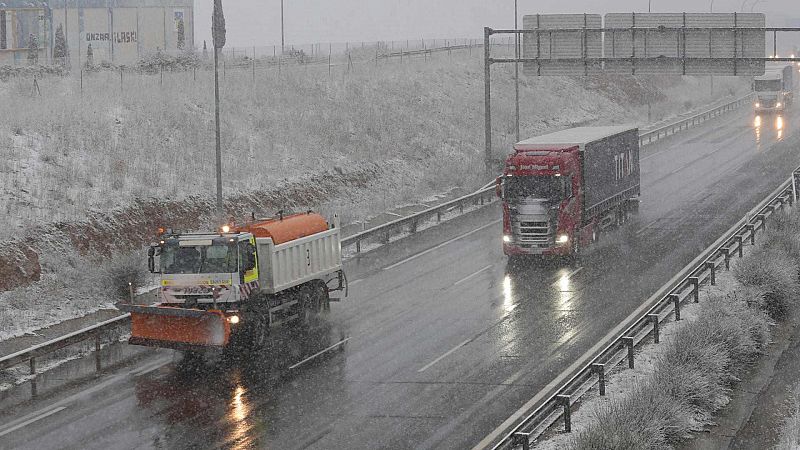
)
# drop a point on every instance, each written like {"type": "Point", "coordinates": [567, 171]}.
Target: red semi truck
{"type": "Point", "coordinates": [561, 189]}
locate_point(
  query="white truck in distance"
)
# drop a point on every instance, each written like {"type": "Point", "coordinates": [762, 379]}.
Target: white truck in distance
{"type": "Point", "coordinates": [774, 90]}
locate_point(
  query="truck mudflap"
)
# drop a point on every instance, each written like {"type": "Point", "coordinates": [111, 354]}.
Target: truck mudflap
{"type": "Point", "coordinates": [178, 328]}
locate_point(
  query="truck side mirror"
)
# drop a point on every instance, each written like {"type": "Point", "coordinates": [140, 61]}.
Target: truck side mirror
{"type": "Point", "coordinates": [498, 187]}
{"type": "Point", "coordinates": [151, 260]}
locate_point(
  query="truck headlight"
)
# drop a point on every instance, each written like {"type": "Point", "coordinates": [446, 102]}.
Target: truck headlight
{"type": "Point", "coordinates": [778, 105]}
{"type": "Point", "coordinates": [562, 239]}
{"type": "Point", "coordinates": [758, 104]}
{"type": "Point", "coordinates": [506, 239]}
{"type": "Point", "coordinates": [233, 320]}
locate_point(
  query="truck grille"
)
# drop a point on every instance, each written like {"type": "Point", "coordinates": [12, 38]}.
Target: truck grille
{"type": "Point", "coordinates": [532, 231]}
{"type": "Point", "coordinates": [767, 103]}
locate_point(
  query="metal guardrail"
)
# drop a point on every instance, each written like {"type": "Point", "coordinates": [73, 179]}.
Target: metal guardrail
{"type": "Point", "coordinates": [410, 224]}
{"type": "Point", "coordinates": [39, 350]}
{"type": "Point", "coordinates": [668, 130]}
{"type": "Point", "coordinates": [665, 303]}
{"type": "Point", "coordinates": [382, 234]}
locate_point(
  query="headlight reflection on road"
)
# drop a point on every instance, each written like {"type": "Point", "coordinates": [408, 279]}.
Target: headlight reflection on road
{"type": "Point", "coordinates": [238, 417]}
{"type": "Point", "coordinates": [508, 294]}
{"type": "Point", "coordinates": [779, 123]}
{"type": "Point", "coordinates": [757, 121]}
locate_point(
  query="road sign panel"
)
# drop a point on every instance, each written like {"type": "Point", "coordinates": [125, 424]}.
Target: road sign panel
{"type": "Point", "coordinates": [561, 52]}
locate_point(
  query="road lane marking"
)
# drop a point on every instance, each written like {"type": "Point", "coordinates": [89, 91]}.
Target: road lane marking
{"type": "Point", "coordinates": [472, 275]}
{"type": "Point", "coordinates": [427, 366]}
{"type": "Point", "coordinates": [27, 420]}
{"type": "Point", "coordinates": [354, 282]}
{"type": "Point", "coordinates": [411, 258]}
{"type": "Point", "coordinates": [320, 353]}
{"type": "Point", "coordinates": [644, 228]}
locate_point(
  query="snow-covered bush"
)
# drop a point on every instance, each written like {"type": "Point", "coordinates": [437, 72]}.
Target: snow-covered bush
{"type": "Point", "coordinates": [772, 270]}
{"type": "Point", "coordinates": [125, 272]}
{"type": "Point", "coordinates": [646, 418]}
{"type": "Point", "coordinates": [690, 379]}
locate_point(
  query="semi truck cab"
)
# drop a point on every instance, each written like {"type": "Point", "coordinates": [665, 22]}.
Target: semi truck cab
{"type": "Point", "coordinates": [541, 201]}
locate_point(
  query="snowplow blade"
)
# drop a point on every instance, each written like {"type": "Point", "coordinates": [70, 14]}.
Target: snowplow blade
{"type": "Point", "coordinates": [178, 328]}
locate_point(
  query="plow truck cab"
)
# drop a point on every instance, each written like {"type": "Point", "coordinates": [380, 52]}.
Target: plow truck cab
{"type": "Point", "coordinates": [560, 190]}
{"type": "Point", "coordinates": [236, 284]}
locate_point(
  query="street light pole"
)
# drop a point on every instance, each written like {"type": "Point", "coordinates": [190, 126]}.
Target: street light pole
{"type": "Point", "coordinates": [711, 9]}
{"type": "Point", "coordinates": [220, 213]}
{"type": "Point", "coordinates": [516, 74]}
{"type": "Point", "coordinates": [282, 42]}
{"type": "Point", "coordinates": [648, 5]}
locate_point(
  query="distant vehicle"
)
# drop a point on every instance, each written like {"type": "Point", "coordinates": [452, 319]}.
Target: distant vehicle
{"type": "Point", "coordinates": [774, 90]}
{"type": "Point", "coordinates": [561, 189]}
{"type": "Point", "coordinates": [236, 284]}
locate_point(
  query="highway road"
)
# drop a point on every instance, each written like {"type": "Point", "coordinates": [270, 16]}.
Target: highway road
{"type": "Point", "coordinates": [440, 340]}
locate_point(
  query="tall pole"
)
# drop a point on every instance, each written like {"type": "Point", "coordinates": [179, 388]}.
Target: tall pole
{"type": "Point", "coordinates": [711, 78]}
{"type": "Point", "coordinates": [516, 74]}
{"type": "Point", "coordinates": [282, 42]}
{"type": "Point", "coordinates": [220, 215]}
{"type": "Point", "coordinates": [487, 99]}
{"type": "Point", "coordinates": [648, 5]}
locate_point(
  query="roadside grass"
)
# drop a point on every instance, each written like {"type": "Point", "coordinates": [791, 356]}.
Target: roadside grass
{"type": "Point", "coordinates": [790, 435]}
{"type": "Point", "coordinates": [692, 376]}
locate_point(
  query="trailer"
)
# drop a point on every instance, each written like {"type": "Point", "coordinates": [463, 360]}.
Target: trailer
{"type": "Point", "coordinates": [562, 189]}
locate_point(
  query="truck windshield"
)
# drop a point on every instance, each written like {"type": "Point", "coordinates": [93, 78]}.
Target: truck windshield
{"type": "Point", "coordinates": [216, 258]}
{"type": "Point", "coordinates": [767, 85]}
{"type": "Point", "coordinates": [546, 187]}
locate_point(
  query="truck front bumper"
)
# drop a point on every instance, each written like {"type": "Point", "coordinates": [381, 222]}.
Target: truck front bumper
{"type": "Point", "coordinates": [514, 249]}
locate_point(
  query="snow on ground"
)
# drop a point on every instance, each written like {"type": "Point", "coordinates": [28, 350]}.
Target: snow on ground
{"type": "Point", "coordinates": [90, 175]}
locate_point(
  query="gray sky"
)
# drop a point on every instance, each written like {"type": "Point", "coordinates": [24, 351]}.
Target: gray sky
{"type": "Point", "coordinates": [257, 22]}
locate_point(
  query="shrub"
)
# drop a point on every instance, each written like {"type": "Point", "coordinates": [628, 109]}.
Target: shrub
{"type": "Point", "coordinates": [775, 273]}
{"type": "Point", "coordinates": [645, 418]}
{"type": "Point", "coordinates": [124, 269]}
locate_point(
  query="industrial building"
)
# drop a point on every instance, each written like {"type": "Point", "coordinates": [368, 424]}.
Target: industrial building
{"type": "Point", "coordinates": [118, 31]}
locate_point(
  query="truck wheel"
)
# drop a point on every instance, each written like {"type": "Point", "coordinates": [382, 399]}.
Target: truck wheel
{"type": "Point", "coordinates": [255, 331]}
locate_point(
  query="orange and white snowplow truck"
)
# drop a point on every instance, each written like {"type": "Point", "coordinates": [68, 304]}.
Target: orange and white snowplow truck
{"type": "Point", "coordinates": [236, 284]}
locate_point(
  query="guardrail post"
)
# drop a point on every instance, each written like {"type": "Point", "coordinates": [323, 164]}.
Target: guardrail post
{"type": "Point", "coordinates": [752, 229]}
{"type": "Point", "coordinates": [628, 341]}
{"type": "Point", "coordinates": [522, 438]}
{"type": "Point", "coordinates": [676, 301]}
{"type": "Point", "coordinates": [763, 224]}
{"type": "Point", "coordinates": [481, 197]}
{"type": "Point", "coordinates": [654, 318]}
{"type": "Point", "coordinates": [358, 246]}
{"type": "Point", "coordinates": [461, 207]}
{"type": "Point", "coordinates": [739, 240]}
{"type": "Point", "coordinates": [600, 370]}
{"type": "Point", "coordinates": [97, 365]}
{"type": "Point", "coordinates": [33, 377]}
{"type": "Point", "coordinates": [386, 237]}
{"type": "Point", "coordinates": [727, 253]}
{"type": "Point", "coordinates": [713, 268]}
{"type": "Point", "coordinates": [695, 288]}
{"type": "Point", "coordinates": [564, 400]}
{"type": "Point", "coordinates": [438, 216]}
{"type": "Point", "coordinates": [413, 227]}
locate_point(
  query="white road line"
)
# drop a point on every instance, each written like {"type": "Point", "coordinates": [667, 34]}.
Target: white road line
{"type": "Point", "coordinates": [27, 421]}
{"type": "Point", "coordinates": [354, 282]}
{"type": "Point", "coordinates": [472, 275]}
{"type": "Point", "coordinates": [411, 258]}
{"type": "Point", "coordinates": [644, 228]}
{"type": "Point", "coordinates": [427, 366]}
{"type": "Point", "coordinates": [319, 353]}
